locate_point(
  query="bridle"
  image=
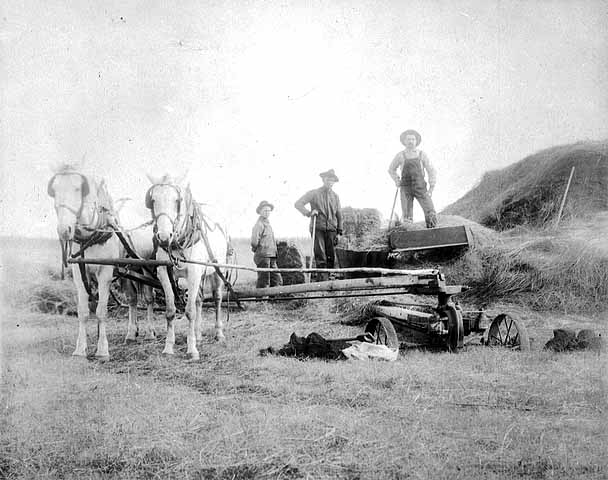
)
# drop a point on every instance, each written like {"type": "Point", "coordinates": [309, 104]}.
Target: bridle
{"type": "Point", "coordinates": [155, 217]}
{"type": "Point", "coordinates": [95, 236]}
{"type": "Point", "coordinates": [84, 191]}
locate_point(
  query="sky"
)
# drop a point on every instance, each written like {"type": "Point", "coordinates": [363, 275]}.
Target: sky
{"type": "Point", "coordinates": [251, 100]}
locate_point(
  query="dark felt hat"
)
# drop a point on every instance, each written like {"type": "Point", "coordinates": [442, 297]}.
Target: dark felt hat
{"type": "Point", "coordinates": [263, 204]}
{"type": "Point", "coordinates": [330, 174]}
{"type": "Point", "coordinates": [411, 132]}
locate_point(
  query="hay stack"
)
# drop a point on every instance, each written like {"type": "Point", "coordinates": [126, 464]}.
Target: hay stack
{"type": "Point", "coordinates": [530, 191]}
{"type": "Point", "coordinates": [361, 227]}
{"type": "Point", "coordinates": [288, 256]}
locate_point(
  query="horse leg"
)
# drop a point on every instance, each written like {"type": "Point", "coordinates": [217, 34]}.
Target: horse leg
{"type": "Point", "coordinates": [163, 277]}
{"type": "Point", "coordinates": [194, 283]}
{"type": "Point", "coordinates": [132, 327]}
{"type": "Point", "coordinates": [104, 279]}
{"type": "Point", "coordinates": [149, 298]}
{"type": "Point", "coordinates": [217, 300]}
{"type": "Point", "coordinates": [199, 310]}
{"type": "Point", "coordinates": [83, 313]}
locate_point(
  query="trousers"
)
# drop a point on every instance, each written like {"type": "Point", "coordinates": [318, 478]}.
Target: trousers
{"type": "Point", "coordinates": [325, 253]}
{"type": "Point", "coordinates": [424, 199]}
{"type": "Point", "coordinates": [265, 279]}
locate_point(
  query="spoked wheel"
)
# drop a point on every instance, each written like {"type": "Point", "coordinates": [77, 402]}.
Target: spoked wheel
{"type": "Point", "coordinates": [507, 331]}
{"type": "Point", "coordinates": [455, 328]}
{"type": "Point", "coordinates": [383, 332]}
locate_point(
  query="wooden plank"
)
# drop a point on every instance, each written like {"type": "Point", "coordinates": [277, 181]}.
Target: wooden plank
{"type": "Point", "coordinates": [400, 312]}
{"type": "Point", "coordinates": [373, 283]}
{"type": "Point", "coordinates": [429, 238]}
{"type": "Point", "coordinates": [167, 263]}
{"type": "Point", "coordinates": [152, 282]}
{"type": "Point", "coordinates": [122, 261]}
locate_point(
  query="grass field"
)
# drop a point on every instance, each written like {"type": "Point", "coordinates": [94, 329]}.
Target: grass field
{"type": "Point", "coordinates": [482, 413]}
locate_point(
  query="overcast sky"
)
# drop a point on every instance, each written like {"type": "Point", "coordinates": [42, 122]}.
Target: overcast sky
{"type": "Point", "coordinates": [254, 99]}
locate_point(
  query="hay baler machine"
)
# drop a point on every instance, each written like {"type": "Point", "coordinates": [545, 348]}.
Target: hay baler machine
{"type": "Point", "coordinates": [446, 324]}
{"type": "Point", "coordinates": [416, 325]}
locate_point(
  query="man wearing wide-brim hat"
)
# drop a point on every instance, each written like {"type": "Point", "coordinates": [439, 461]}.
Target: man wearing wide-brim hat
{"type": "Point", "coordinates": [412, 164]}
{"type": "Point", "coordinates": [325, 206]}
{"type": "Point", "coordinates": [264, 247]}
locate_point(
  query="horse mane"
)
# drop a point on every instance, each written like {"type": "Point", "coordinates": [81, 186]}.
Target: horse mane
{"type": "Point", "coordinates": [103, 196]}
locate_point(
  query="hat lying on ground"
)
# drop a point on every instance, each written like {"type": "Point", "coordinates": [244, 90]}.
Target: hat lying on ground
{"type": "Point", "coordinates": [263, 204]}
{"type": "Point", "coordinates": [411, 132]}
{"type": "Point", "coordinates": [329, 174]}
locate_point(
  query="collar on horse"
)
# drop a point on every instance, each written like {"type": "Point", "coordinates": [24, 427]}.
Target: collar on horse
{"type": "Point", "coordinates": [97, 232]}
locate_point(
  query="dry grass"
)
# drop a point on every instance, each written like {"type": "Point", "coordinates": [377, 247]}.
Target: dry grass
{"type": "Point", "coordinates": [480, 414]}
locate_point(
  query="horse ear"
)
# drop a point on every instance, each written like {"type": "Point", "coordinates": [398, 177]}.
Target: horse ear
{"type": "Point", "coordinates": [180, 180]}
{"type": "Point", "coordinates": [85, 186]}
{"type": "Point", "coordinates": [49, 188]}
{"type": "Point", "coordinates": [152, 179]}
{"type": "Point", "coordinates": [149, 198]}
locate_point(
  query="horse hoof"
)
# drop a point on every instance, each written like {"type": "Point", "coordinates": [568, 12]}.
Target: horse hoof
{"type": "Point", "coordinates": [102, 358]}
{"type": "Point", "coordinates": [168, 352]}
{"type": "Point", "coordinates": [130, 340]}
{"type": "Point", "coordinates": [220, 338]}
{"type": "Point", "coordinates": [150, 336]}
{"type": "Point", "coordinates": [79, 354]}
{"type": "Point", "coordinates": [194, 357]}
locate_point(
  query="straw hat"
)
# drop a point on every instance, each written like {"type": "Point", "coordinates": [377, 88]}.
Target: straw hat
{"type": "Point", "coordinates": [411, 132]}
{"type": "Point", "coordinates": [263, 204]}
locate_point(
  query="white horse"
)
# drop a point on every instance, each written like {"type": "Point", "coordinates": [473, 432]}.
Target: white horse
{"type": "Point", "coordinates": [84, 217]}
{"type": "Point", "coordinates": [182, 230]}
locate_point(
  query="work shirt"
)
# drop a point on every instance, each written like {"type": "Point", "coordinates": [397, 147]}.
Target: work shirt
{"type": "Point", "coordinates": [262, 239]}
{"type": "Point", "coordinates": [425, 165]}
{"type": "Point", "coordinates": [327, 203]}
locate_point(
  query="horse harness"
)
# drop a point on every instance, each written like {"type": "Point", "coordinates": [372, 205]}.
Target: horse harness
{"type": "Point", "coordinates": [85, 236]}
{"type": "Point", "coordinates": [194, 229]}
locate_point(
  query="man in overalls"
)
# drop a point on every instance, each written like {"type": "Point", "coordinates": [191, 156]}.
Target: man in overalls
{"type": "Point", "coordinates": [413, 163]}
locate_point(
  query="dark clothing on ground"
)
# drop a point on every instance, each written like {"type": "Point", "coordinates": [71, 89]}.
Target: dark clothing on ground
{"type": "Point", "coordinates": [413, 185]}
{"type": "Point", "coordinates": [264, 247]}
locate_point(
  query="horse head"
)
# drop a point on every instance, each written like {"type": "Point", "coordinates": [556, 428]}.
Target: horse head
{"type": "Point", "coordinates": [166, 202]}
{"type": "Point", "coordinates": [69, 189]}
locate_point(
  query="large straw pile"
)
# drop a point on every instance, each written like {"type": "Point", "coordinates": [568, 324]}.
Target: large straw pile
{"type": "Point", "coordinates": [530, 191]}
{"type": "Point", "coordinates": [360, 226]}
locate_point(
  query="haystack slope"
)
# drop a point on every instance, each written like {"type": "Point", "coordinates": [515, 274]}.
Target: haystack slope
{"type": "Point", "coordinates": [530, 191]}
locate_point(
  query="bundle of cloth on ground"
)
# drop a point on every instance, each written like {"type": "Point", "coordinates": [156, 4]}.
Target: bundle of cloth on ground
{"type": "Point", "coordinates": [316, 346]}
